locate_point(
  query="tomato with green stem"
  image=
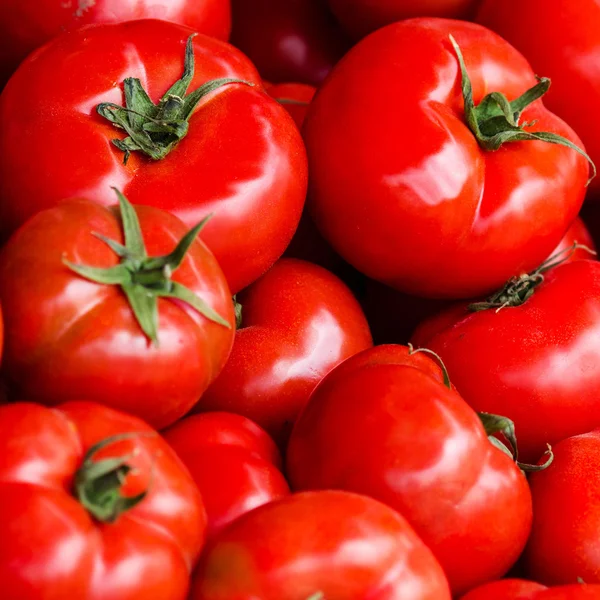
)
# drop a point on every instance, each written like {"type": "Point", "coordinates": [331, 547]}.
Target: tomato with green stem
{"type": "Point", "coordinates": [94, 505]}
{"type": "Point", "coordinates": [102, 303]}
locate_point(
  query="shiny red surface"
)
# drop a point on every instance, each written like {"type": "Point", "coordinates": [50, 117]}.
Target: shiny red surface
{"type": "Point", "coordinates": [507, 589]}
{"type": "Point", "coordinates": [298, 322]}
{"type": "Point", "coordinates": [399, 185]}
{"type": "Point", "coordinates": [294, 97]}
{"type": "Point", "coordinates": [381, 427]}
{"type": "Point", "coordinates": [342, 545]}
{"type": "Point", "coordinates": [243, 160]}
{"type": "Point", "coordinates": [53, 549]}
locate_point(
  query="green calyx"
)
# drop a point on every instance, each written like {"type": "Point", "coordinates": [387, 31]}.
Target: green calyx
{"type": "Point", "coordinates": [144, 279]}
{"type": "Point", "coordinates": [446, 376]}
{"type": "Point", "coordinates": [518, 290]}
{"type": "Point", "coordinates": [155, 129]}
{"type": "Point", "coordinates": [98, 483]}
{"type": "Point", "coordinates": [495, 120]}
{"type": "Point", "coordinates": [494, 424]}
{"type": "Point", "coordinates": [238, 310]}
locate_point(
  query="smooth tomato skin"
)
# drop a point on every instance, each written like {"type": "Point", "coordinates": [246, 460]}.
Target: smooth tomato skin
{"type": "Point", "coordinates": [561, 550]}
{"type": "Point", "coordinates": [243, 160]}
{"type": "Point", "coordinates": [578, 233]}
{"type": "Point", "coordinates": [570, 64]}
{"type": "Point", "coordinates": [444, 218]}
{"type": "Point", "coordinates": [298, 322]}
{"type": "Point", "coordinates": [68, 338]}
{"type": "Point", "coordinates": [295, 40]}
{"type": "Point", "coordinates": [26, 25]}
{"type": "Point", "coordinates": [379, 427]}
{"type": "Point", "coordinates": [507, 589]}
{"type": "Point", "coordinates": [223, 429]}
{"type": "Point", "coordinates": [538, 364]}
{"type": "Point", "coordinates": [52, 548]}
{"type": "Point", "coordinates": [294, 97]}
{"type": "Point", "coordinates": [315, 542]}
{"type": "Point", "coordinates": [361, 17]}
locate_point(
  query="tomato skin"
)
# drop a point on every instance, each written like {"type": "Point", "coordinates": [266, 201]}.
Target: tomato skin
{"type": "Point", "coordinates": [572, 484]}
{"type": "Point", "coordinates": [295, 98]}
{"type": "Point", "coordinates": [578, 233]}
{"type": "Point", "coordinates": [52, 548]}
{"type": "Point", "coordinates": [444, 218]}
{"type": "Point", "coordinates": [536, 364]}
{"type": "Point", "coordinates": [243, 160]}
{"type": "Point", "coordinates": [570, 64]}
{"type": "Point", "coordinates": [315, 542]}
{"type": "Point", "coordinates": [361, 17]}
{"type": "Point", "coordinates": [298, 322]}
{"type": "Point", "coordinates": [68, 338]}
{"type": "Point", "coordinates": [377, 426]}
{"type": "Point", "coordinates": [233, 478]}
{"type": "Point", "coordinates": [507, 589]}
{"type": "Point", "coordinates": [295, 40]}
{"type": "Point", "coordinates": [26, 25]}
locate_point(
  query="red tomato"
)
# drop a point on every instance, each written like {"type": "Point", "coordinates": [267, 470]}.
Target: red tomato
{"type": "Point", "coordinates": [562, 549]}
{"type": "Point", "coordinates": [68, 337]}
{"type": "Point", "coordinates": [298, 322]}
{"type": "Point", "coordinates": [232, 478]}
{"type": "Point", "coordinates": [380, 426]}
{"type": "Point", "coordinates": [294, 40]}
{"type": "Point", "coordinates": [295, 98]}
{"type": "Point", "coordinates": [577, 234]}
{"type": "Point", "coordinates": [322, 544]}
{"type": "Point", "coordinates": [401, 187]}
{"type": "Point", "coordinates": [537, 363]}
{"type": "Point", "coordinates": [564, 48]}
{"type": "Point", "coordinates": [242, 160]}
{"type": "Point", "coordinates": [517, 589]}
{"type": "Point", "coordinates": [75, 526]}
{"type": "Point", "coordinates": [360, 17]}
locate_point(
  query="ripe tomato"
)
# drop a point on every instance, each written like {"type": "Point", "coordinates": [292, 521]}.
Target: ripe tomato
{"type": "Point", "coordinates": [507, 589]}
{"type": "Point", "coordinates": [242, 159]}
{"type": "Point", "coordinates": [70, 334]}
{"type": "Point", "coordinates": [578, 234]}
{"type": "Point", "coordinates": [295, 40]}
{"type": "Point", "coordinates": [445, 216]}
{"type": "Point", "coordinates": [564, 48]}
{"type": "Point", "coordinates": [232, 478]}
{"type": "Point", "coordinates": [27, 24]}
{"type": "Point", "coordinates": [295, 98]}
{"type": "Point", "coordinates": [360, 17]}
{"type": "Point", "coordinates": [298, 322]}
{"type": "Point", "coordinates": [76, 526]}
{"type": "Point", "coordinates": [380, 425]}
{"type": "Point", "coordinates": [319, 545]}
{"type": "Point", "coordinates": [564, 549]}
{"type": "Point", "coordinates": [536, 363]}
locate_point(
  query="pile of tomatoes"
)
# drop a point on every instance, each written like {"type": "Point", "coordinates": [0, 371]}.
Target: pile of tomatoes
{"type": "Point", "coordinates": [300, 300]}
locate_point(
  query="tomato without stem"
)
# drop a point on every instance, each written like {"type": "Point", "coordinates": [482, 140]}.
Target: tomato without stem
{"type": "Point", "coordinates": [518, 589]}
{"type": "Point", "coordinates": [242, 159]}
{"type": "Point", "coordinates": [232, 477]}
{"type": "Point", "coordinates": [74, 331]}
{"type": "Point", "coordinates": [69, 526]}
{"type": "Point", "coordinates": [384, 425]}
{"type": "Point", "coordinates": [294, 97]}
{"type": "Point", "coordinates": [298, 322]}
{"type": "Point", "coordinates": [27, 24]}
{"type": "Point", "coordinates": [295, 40]}
{"type": "Point", "coordinates": [407, 193]}
{"type": "Point", "coordinates": [537, 363]}
{"type": "Point", "coordinates": [322, 544]}
{"type": "Point", "coordinates": [564, 48]}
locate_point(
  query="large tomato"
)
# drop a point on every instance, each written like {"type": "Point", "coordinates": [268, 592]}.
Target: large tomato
{"type": "Point", "coordinates": [383, 424]}
{"type": "Point", "coordinates": [219, 450]}
{"type": "Point", "coordinates": [319, 545]}
{"type": "Point", "coordinates": [27, 24]}
{"type": "Point", "coordinates": [564, 48]}
{"type": "Point", "coordinates": [533, 359]}
{"type": "Point", "coordinates": [94, 505]}
{"type": "Point", "coordinates": [81, 322]}
{"type": "Point", "coordinates": [241, 158]}
{"type": "Point", "coordinates": [360, 17]}
{"type": "Point", "coordinates": [298, 322]}
{"type": "Point", "coordinates": [561, 550]}
{"type": "Point", "coordinates": [405, 190]}
{"type": "Point", "coordinates": [293, 40]}
{"type": "Point", "coordinates": [519, 589]}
